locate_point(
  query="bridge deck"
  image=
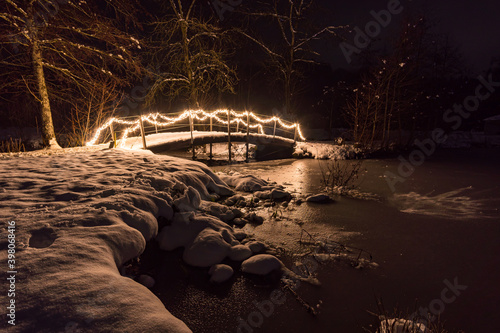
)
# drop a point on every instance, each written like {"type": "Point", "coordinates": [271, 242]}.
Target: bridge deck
{"type": "Point", "coordinates": [179, 140]}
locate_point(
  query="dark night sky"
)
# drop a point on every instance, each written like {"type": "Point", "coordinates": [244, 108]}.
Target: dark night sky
{"type": "Point", "coordinates": [474, 25]}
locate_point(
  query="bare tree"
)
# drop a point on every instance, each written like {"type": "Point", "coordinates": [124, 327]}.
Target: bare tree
{"type": "Point", "coordinates": [296, 36]}
{"type": "Point", "coordinates": [101, 104]}
{"type": "Point", "coordinates": [388, 97]}
{"type": "Point", "coordinates": [191, 56]}
{"type": "Point", "coordinates": [57, 49]}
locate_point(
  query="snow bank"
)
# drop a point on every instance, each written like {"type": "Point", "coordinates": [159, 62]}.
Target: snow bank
{"type": "Point", "coordinates": [462, 139]}
{"type": "Point", "coordinates": [80, 215]}
{"type": "Point", "coordinates": [326, 150]}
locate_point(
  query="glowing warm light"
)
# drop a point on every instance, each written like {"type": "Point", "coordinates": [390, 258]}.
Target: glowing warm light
{"type": "Point", "coordinates": [200, 115]}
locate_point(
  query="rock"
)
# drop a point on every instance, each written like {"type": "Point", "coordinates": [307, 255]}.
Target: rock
{"type": "Point", "coordinates": [220, 273]}
{"type": "Point", "coordinates": [226, 235]}
{"type": "Point", "coordinates": [318, 198]}
{"type": "Point", "coordinates": [261, 264]}
{"type": "Point", "coordinates": [146, 280]}
{"type": "Point", "coordinates": [247, 183]}
{"type": "Point", "coordinates": [240, 253]}
{"type": "Point", "coordinates": [209, 248]}
{"type": "Point", "coordinates": [222, 212]}
{"type": "Point", "coordinates": [278, 194]}
{"type": "Point", "coordinates": [236, 212]}
{"type": "Point", "coordinates": [262, 195]}
{"type": "Point", "coordinates": [254, 218]}
{"type": "Point", "coordinates": [239, 222]}
{"type": "Point", "coordinates": [240, 235]}
{"type": "Point", "coordinates": [299, 202]}
{"type": "Point", "coordinates": [256, 246]}
{"type": "Point", "coordinates": [234, 200]}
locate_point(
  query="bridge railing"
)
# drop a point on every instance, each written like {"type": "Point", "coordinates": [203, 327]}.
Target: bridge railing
{"type": "Point", "coordinates": [119, 129]}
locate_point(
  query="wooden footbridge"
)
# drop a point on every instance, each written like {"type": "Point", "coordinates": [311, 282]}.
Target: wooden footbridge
{"type": "Point", "coordinates": [169, 132]}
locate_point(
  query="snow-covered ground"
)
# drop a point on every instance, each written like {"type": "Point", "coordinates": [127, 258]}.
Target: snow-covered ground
{"type": "Point", "coordinates": [80, 214]}
{"type": "Point", "coordinates": [326, 150]}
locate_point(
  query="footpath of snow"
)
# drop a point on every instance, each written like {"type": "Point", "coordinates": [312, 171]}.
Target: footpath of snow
{"type": "Point", "coordinates": [80, 214]}
{"type": "Point", "coordinates": [326, 150]}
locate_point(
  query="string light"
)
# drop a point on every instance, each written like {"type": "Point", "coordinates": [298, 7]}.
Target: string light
{"type": "Point", "coordinates": [200, 115]}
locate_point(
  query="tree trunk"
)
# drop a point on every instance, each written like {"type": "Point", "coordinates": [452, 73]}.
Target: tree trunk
{"type": "Point", "coordinates": [48, 133]}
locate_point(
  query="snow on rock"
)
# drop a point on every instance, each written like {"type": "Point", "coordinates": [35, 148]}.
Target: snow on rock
{"type": "Point", "coordinates": [261, 264]}
{"type": "Point", "coordinates": [190, 199]}
{"type": "Point", "coordinates": [234, 200]}
{"type": "Point", "coordinates": [222, 212]}
{"type": "Point", "coordinates": [256, 246]}
{"type": "Point", "coordinates": [263, 195]}
{"type": "Point", "coordinates": [220, 273]}
{"type": "Point", "coordinates": [246, 183]}
{"type": "Point", "coordinates": [81, 214]}
{"type": "Point", "coordinates": [146, 280]}
{"type": "Point", "coordinates": [239, 222]}
{"type": "Point", "coordinates": [240, 235]}
{"type": "Point", "coordinates": [254, 218]}
{"type": "Point", "coordinates": [398, 325]}
{"type": "Point", "coordinates": [185, 227]}
{"type": "Point", "coordinates": [240, 253]}
{"type": "Point", "coordinates": [208, 248]}
{"type": "Point", "coordinates": [277, 194]}
{"type": "Point", "coordinates": [318, 198]}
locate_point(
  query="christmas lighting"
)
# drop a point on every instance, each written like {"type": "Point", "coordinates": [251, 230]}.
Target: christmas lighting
{"type": "Point", "coordinates": [160, 120]}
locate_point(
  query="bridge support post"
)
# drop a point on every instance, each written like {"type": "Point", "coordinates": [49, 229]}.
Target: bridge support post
{"type": "Point", "coordinates": [274, 131]}
{"type": "Point", "coordinates": [141, 123]}
{"type": "Point", "coordinates": [248, 135]}
{"type": "Point", "coordinates": [229, 134]}
{"type": "Point", "coordinates": [113, 134]}
{"type": "Point", "coordinates": [210, 156]}
{"type": "Point", "coordinates": [191, 125]}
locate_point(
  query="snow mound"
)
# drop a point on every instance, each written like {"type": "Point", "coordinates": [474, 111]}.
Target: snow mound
{"type": "Point", "coordinates": [322, 151]}
{"type": "Point", "coordinates": [261, 264]}
{"type": "Point", "coordinates": [81, 214]}
{"type": "Point", "coordinates": [220, 273]}
{"type": "Point", "coordinates": [246, 183]}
